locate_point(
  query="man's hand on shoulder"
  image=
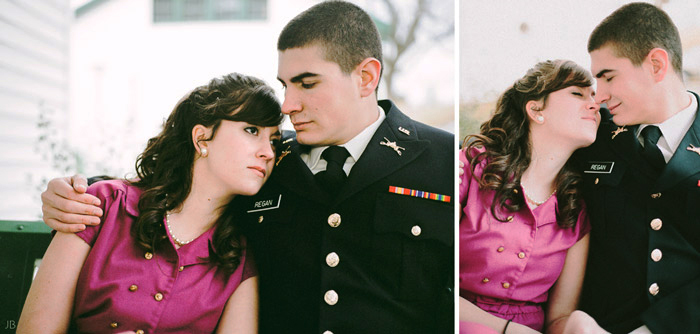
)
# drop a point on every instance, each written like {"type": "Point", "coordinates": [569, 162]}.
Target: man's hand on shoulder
{"type": "Point", "coordinates": [66, 207]}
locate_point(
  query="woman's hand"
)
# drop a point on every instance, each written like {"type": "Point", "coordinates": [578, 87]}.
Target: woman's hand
{"type": "Point", "coordinates": [580, 322]}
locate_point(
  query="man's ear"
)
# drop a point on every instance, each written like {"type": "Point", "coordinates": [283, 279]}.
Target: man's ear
{"type": "Point", "coordinates": [368, 71]}
{"type": "Point", "coordinates": [659, 63]}
{"type": "Point", "coordinates": [200, 134]}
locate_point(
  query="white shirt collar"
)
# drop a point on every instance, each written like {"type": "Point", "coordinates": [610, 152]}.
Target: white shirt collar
{"type": "Point", "coordinates": [355, 146]}
{"type": "Point", "coordinates": [673, 129]}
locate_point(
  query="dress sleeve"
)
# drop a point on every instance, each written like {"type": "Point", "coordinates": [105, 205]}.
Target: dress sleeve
{"type": "Point", "coordinates": [249, 268]}
{"type": "Point", "coordinates": [465, 179]}
{"type": "Point", "coordinates": [583, 225]}
{"type": "Point", "coordinates": [106, 191]}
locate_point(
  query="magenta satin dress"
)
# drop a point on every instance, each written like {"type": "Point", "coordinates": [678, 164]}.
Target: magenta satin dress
{"type": "Point", "coordinates": [122, 287]}
{"type": "Point", "coordinates": [507, 268]}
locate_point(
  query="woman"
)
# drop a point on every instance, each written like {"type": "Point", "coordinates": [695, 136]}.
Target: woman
{"type": "Point", "coordinates": [523, 227]}
{"type": "Point", "coordinates": [164, 259]}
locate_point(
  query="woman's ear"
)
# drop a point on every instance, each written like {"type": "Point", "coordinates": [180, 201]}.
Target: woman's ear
{"type": "Point", "coordinates": [369, 71]}
{"type": "Point", "coordinates": [534, 111]}
{"type": "Point", "coordinates": [200, 136]}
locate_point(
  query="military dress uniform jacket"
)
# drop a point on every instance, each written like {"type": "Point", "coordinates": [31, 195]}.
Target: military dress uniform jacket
{"type": "Point", "coordinates": [644, 260]}
{"type": "Point", "coordinates": [370, 261]}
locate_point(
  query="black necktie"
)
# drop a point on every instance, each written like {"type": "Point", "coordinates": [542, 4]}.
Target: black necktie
{"type": "Point", "coordinates": [650, 151]}
{"type": "Point", "coordinates": [332, 179]}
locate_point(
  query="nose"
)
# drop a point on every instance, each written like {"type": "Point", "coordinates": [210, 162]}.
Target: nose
{"type": "Point", "coordinates": [266, 151]}
{"type": "Point", "coordinates": [601, 95]}
{"type": "Point", "coordinates": [593, 105]}
{"type": "Point", "coordinates": [291, 102]}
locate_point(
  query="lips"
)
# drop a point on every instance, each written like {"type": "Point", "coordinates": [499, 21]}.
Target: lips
{"type": "Point", "coordinates": [299, 125]}
{"type": "Point", "coordinates": [260, 170]}
{"type": "Point", "coordinates": [611, 108]}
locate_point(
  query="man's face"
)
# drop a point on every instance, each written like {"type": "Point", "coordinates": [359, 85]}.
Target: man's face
{"type": "Point", "coordinates": [625, 88]}
{"type": "Point", "coordinates": [319, 98]}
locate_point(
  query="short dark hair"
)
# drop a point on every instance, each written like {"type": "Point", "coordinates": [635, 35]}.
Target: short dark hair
{"type": "Point", "coordinates": [636, 28]}
{"type": "Point", "coordinates": [346, 33]}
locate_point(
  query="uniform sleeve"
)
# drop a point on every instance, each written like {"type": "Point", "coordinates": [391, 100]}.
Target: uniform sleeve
{"type": "Point", "coordinates": [679, 310]}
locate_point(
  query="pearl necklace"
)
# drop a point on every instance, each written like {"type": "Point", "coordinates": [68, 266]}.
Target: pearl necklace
{"type": "Point", "coordinates": [532, 201]}
{"type": "Point", "coordinates": [177, 241]}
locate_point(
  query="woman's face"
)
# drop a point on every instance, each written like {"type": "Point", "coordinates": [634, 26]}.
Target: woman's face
{"type": "Point", "coordinates": [240, 157]}
{"type": "Point", "coordinates": [572, 115]}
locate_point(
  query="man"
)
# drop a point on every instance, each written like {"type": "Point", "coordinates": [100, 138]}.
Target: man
{"type": "Point", "coordinates": [370, 252]}
{"type": "Point", "coordinates": [642, 179]}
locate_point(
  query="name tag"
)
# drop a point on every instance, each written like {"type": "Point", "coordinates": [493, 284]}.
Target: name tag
{"type": "Point", "coordinates": [266, 204]}
{"type": "Point", "coordinates": [599, 167]}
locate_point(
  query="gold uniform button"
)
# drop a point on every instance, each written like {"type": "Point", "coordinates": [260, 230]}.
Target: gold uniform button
{"type": "Point", "coordinates": [656, 255]}
{"type": "Point", "coordinates": [506, 285]}
{"type": "Point", "coordinates": [332, 259]}
{"type": "Point", "coordinates": [148, 255]}
{"type": "Point", "coordinates": [509, 219]}
{"type": "Point", "coordinates": [330, 297]}
{"type": "Point", "coordinates": [656, 195]}
{"type": "Point", "coordinates": [158, 297]}
{"type": "Point", "coordinates": [485, 280]}
{"type": "Point", "coordinates": [133, 287]}
{"type": "Point", "coordinates": [114, 324]}
{"type": "Point", "coordinates": [596, 180]}
{"type": "Point", "coordinates": [500, 249]}
{"type": "Point", "coordinates": [656, 224]}
{"type": "Point", "coordinates": [334, 220]}
{"type": "Point", "coordinates": [181, 268]}
{"type": "Point", "coordinates": [521, 255]}
{"type": "Point", "coordinates": [140, 331]}
{"type": "Point", "coordinates": [260, 219]}
{"type": "Point", "coordinates": [416, 230]}
{"type": "Point", "coordinates": [654, 289]}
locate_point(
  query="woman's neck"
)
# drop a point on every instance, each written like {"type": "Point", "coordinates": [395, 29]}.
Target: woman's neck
{"type": "Point", "coordinates": [547, 158]}
{"type": "Point", "coordinates": [199, 211]}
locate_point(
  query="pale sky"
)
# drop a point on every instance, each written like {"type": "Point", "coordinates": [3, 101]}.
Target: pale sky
{"type": "Point", "coordinates": [494, 51]}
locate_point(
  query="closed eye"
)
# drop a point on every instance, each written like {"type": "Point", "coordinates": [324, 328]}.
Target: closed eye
{"type": "Point", "coordinates": [308, 85]}
{"type": "Point", "coordinates": [577, 94]}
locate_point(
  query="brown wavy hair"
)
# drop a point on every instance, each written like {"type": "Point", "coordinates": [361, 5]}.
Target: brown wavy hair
{"type": "Point", "coordinates": [505, 139]}
{"type": "Point", "coordinates": [166, 165]}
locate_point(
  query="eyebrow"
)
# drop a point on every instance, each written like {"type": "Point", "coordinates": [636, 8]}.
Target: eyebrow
{"type": "Point", "coordinates": [299, 78]}
{"type": "Point", "coordinates": [602, 73]}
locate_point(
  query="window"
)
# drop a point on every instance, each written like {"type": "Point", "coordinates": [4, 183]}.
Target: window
{"type": "Point", "coordinates": [208, 10]}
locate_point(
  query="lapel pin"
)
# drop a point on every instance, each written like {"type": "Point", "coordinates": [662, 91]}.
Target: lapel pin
{"type": "Point", "coordinates": [393, 145]}
{"type": "Point", "coordinates": [620, 129]}
{"type": "Point", "coordinates": [282, 155]}
{"type": "Point", "coordinates": [693, 149]}
{"type": "Point", "coordinates": [287, 141]}
{"type": "Point", "coordinates": [405, 131]}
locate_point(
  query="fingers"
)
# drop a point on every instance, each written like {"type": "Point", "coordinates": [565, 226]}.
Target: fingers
{"type": "Point", "coordinates": [65, 228]}
{"type": "Point", "coordinates": [79, 183]}
{"type": "Point", "coordinates": [69, 217]}
{"type": "Point", "coordinates": [461, 170]}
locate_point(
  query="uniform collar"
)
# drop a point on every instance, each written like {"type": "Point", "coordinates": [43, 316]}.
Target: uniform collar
{"type": "Point", "coordinates": [673, 129]}
{"type": "Point", "coordinates": [355, 146]}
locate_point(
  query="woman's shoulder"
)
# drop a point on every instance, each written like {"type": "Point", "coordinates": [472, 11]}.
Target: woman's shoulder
{"type": "Point", "coordinates": [118, 191]}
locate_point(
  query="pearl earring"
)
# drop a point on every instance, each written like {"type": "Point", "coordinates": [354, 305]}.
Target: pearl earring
{"type": "Point", "coordinates": [204, 152]}
{"type": "Point", "coordinates": [540, 119]}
